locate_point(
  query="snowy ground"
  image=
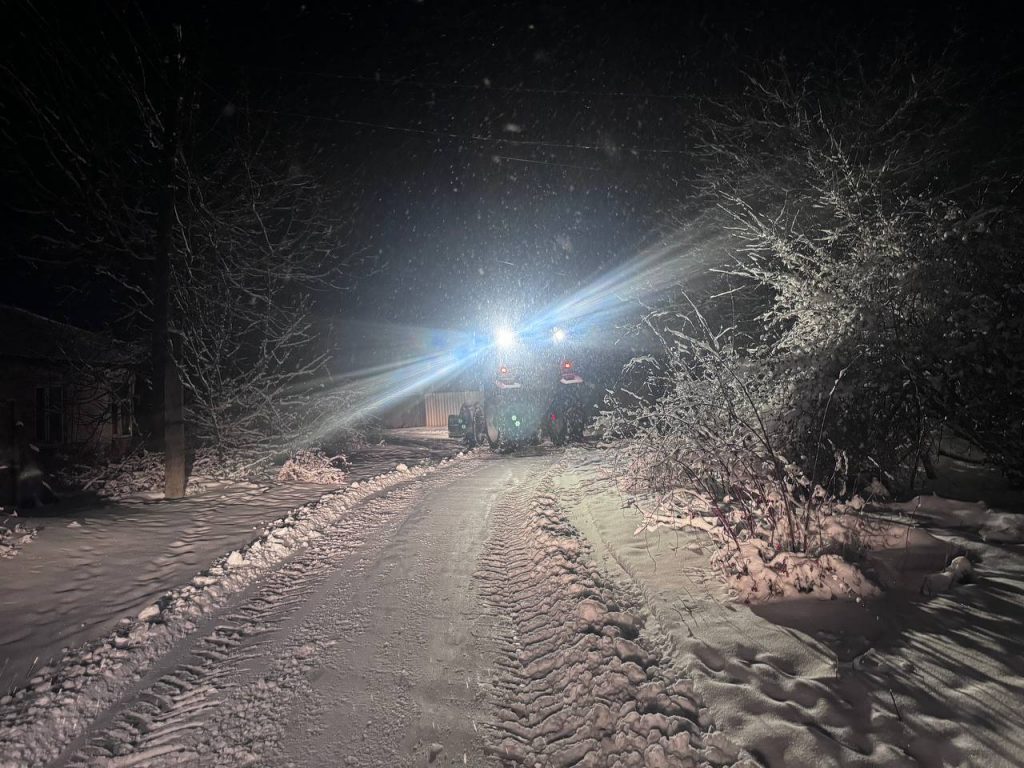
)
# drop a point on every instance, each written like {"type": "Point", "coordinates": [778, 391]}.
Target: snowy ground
{"type": "Point", "coordinates": [900, 681]}
{"type": "Point", "coordinates": [243, 594]}
{"type": "Point", "coordinates": [500, 611]}
{"type": "Point", "coordinates": [411, 446]}
{"type": "Point", "coordinates": [448, 617]}
{"type": "Point", "coordinates": [91, 566]}
{"type": "Point", "coordinates": [86, 565]}
{"type": "Point", "coordinates": [585, 681]}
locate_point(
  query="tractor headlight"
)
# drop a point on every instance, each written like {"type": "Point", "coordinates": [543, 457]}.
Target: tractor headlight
{"type": "Point", "coordinates": [505, 338]}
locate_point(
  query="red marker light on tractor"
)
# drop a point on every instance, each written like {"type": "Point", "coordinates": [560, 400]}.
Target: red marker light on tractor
{"type": "Point", "coordinates": [503, 371]}
{"type": "Point", "coordinates": [567, 365]}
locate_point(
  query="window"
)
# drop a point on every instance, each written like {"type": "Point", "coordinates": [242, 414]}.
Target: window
{"type": "Point", "coordinates": [50, 414]}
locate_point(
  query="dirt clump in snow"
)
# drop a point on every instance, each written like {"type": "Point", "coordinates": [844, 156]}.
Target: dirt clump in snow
{"type": "Point", "coordinates": [13, 536]}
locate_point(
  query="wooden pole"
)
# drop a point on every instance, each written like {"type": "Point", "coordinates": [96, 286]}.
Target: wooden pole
{"type": "Point", "coordinates": [169, 406]}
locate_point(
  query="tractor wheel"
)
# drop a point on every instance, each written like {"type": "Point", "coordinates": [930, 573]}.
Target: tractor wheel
{"type": "Point", "coordinates": [493, 434]}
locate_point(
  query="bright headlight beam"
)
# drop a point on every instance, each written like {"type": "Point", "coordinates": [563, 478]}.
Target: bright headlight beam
{"type": "Point", "coordinates": [558, 335]}
{"type": "Point", "coordinates": [505, 338]}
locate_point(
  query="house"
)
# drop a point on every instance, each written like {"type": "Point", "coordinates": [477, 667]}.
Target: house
{"type": "Point", "coordinates": [61, 387]}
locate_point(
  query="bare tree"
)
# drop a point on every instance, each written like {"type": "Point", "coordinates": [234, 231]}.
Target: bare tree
{"type": "Point", "coordinates": [99, 138]}
{"type": "Point", "coordinates": [253, 241]}
{"type": "Point", "coordinates": [203, 232]}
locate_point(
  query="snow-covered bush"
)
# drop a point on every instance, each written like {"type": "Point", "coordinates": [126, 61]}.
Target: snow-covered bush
{"type": "Point", "coordinates": [142, 472]}
{"type": "Point", "coordinates": [701, 441]}
{"type": "Point", "coordinates": [870, 295]}
{"type": "Point", "coordinates": [752, 541]}
{"type": "Point", "coordinates": [313, 466]}
{"type": "Point", "coordinates": [876, 247]}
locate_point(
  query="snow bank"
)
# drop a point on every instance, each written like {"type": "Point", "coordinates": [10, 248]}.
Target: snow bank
{"type": "Point", "coordinates": [989, 524]}
{"type": "Point", "coordinates": [141, 474]}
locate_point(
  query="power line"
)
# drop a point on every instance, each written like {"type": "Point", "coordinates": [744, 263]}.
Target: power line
{"type": "Point", "coordinates": [472, 136]}
{"type": "Point", "coordinates": [552, 163]}
{"type": "Point", "coordinates": [480, 87]}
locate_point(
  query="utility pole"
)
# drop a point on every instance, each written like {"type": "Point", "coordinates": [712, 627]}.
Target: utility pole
{"type": "Point", "coordinates": [169, 403]}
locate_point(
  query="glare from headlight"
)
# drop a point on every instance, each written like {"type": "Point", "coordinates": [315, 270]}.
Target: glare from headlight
{"type": "Point", "coordinates": [505, 338]}
{"type": "Point", "coordinates": [558, 335]}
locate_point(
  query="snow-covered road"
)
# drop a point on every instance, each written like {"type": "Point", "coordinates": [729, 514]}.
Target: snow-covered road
{"type": "Point", "coordinates": [448, 617]}
{"type": "Point", "coordinates": [501, 610]}
{"type": "Point", "coordinates": [364, 649]}
{"type": "Point", "coordinates": [90, 565]}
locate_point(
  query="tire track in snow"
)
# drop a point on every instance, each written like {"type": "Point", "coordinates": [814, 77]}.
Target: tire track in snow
{"type": "Point", "coordinates": [213, 699]}
{"type": "Point", "coordinates": [581, 684]}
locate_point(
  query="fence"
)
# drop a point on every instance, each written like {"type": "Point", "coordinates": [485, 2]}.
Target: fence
{"type": "Point", "coordinates": [441, 405]}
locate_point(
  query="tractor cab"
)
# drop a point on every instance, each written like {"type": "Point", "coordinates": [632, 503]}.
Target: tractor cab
{"type": "Point", "coordinates": [534, 389]}
{"type": "Point", "coordinates": [512, 410]}
{"type": "Point", "coordinates": [566, 413]}
{"type": "Point", "coordinates": [568, 375]}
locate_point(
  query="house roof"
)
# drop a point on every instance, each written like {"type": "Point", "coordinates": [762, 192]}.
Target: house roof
{"type": "Point", "coordinates": [25, 335]}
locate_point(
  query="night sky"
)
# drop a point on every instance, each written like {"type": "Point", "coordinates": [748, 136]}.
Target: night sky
{"type": "Point", "coordinates": [490, 159]}
{"type": "Point", "coordinates": [505, 155]}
